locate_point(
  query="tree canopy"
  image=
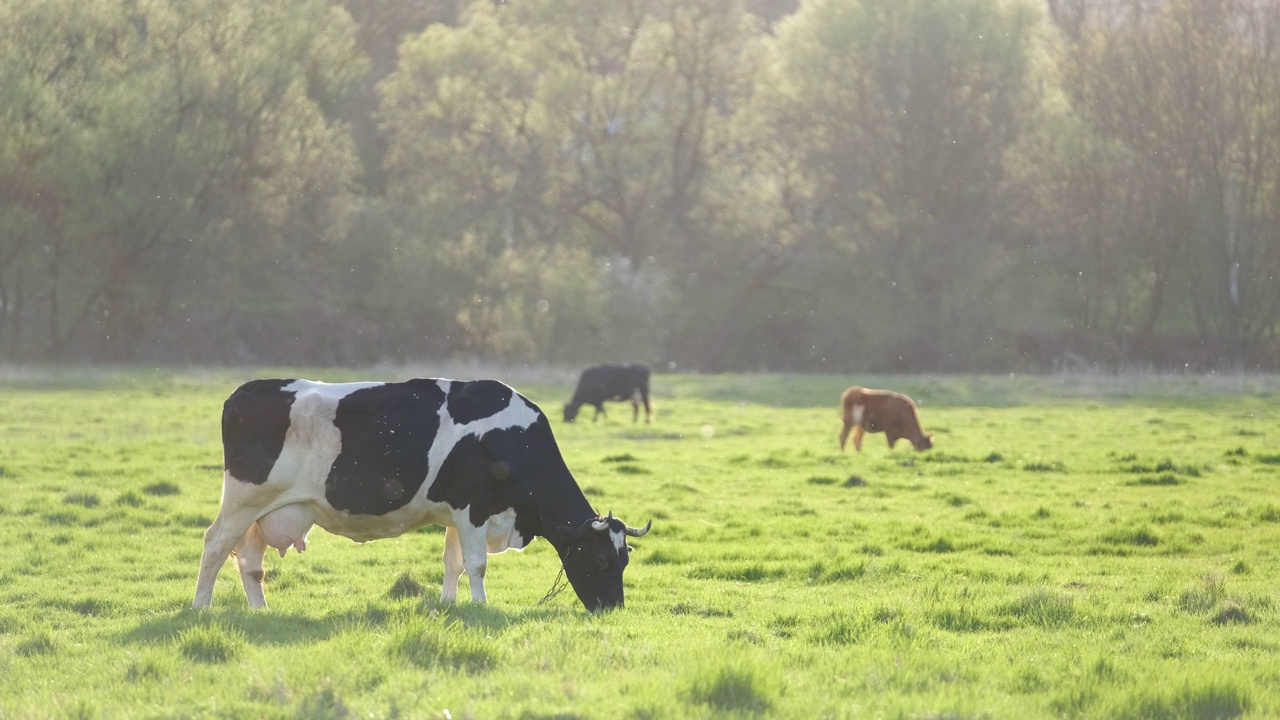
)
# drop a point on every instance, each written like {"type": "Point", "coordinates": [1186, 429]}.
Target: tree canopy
{"type": "Point", "coordinates": [825, 185]}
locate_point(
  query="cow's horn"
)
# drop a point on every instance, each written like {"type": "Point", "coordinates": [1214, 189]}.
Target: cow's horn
{"type": "Point", "coordinates": [600, 524]}
{"type": "Point", "coordinates": [639, 533]}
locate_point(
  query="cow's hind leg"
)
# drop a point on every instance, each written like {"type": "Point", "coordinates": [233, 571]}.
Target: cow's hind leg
{"type": "Point", "coordinates": [857, 438]}
{"type": "Point", "coordinates": [219, 540]}
{"type": "Point", "coordinates": [249, 552]}
{"type": "Point", "coordinates": [452, 565]}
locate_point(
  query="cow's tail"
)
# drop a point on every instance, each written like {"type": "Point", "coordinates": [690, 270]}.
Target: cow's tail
{"type": "Point", "coordinates": [846, 415]}
{"type": "Point", "coordinates": [846, 404]}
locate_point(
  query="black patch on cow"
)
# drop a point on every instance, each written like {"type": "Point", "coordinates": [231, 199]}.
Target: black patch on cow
{"type": "Point", "coordinates": [471, 401]}
{"type": "Point", "coordinates": [254, 422]}
{"type": "Point", "coordinates": [473, 474]}
{"type": "Point", "coordinates": [387, 431]}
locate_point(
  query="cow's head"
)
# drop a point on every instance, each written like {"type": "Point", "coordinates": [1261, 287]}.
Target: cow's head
{"type": "Point", "coordinates": [570, 412]}
{"type": "Point", "coordinates": [924, 443]}
{"type": "Point", "coordinates": [596, 556]}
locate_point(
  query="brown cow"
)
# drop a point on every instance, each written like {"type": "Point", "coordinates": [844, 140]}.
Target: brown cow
{"type": "Point", "coordinates": [891, 413]}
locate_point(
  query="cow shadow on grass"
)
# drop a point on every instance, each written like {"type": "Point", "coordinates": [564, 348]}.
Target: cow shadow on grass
{"type": "Point", "coordinates": [259, 628]}
{"type": "Point", "coordinates": [267, 628]}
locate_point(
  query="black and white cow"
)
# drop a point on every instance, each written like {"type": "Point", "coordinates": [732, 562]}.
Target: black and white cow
{"type": "Point", "coordinates": [599, 383]}
{"type": "Point", "coordinates": [376, 460]}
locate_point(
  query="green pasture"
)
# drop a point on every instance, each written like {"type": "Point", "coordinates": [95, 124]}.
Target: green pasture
{"type": "Point", "coordinates": [1072, 547]}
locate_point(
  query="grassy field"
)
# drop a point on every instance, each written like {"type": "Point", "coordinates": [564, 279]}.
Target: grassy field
{"type": "Point", "coordinates": [1072, 547]}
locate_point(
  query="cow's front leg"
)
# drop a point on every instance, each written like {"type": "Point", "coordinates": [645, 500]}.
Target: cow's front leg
{"type": "Point", "coordinates": [249, 552]}
{"type": "Point", "coordinates": [475, 557]}
{"type": "Point", "coordinates": [452, 565]}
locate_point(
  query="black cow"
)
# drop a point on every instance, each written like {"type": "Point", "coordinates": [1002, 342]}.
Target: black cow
{"type": "Point", "coordinates": [376, 460]}
{"type": "Point", "coordinates": [611, 382]}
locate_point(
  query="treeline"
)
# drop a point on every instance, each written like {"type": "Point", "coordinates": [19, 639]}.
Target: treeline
{"type": "Point", "coordinates": [878, 185]}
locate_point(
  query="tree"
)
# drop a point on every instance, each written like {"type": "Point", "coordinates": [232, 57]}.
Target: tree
{"type": "Point", "coordinates": [167, 134]}
{"type": "Point", "coordinates": [894, 123]}
{"type": "Point", "coordinates": [1180, 191]}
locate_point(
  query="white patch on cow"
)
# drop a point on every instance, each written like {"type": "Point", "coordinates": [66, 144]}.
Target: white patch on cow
{"type": "Point", "coordinates": [857, 414]}
{"type": "Point", "coordinates": [501, 534]}
{"type": "Point", "coordinates": [312, 442]}
{"type": "Point", "coordinates": [619, 541]}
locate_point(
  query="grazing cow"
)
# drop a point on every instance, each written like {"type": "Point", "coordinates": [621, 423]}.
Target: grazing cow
{"type": "Point", "coordinates": [885, 411]}
{"type": "Point", "coordinates": [611, 382]}
{"type": "Point", "coordinates": [376, 460]}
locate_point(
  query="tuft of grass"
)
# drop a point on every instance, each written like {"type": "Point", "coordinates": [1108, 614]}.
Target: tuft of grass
{"type": "Point", "coordinates": [92, 607]}
{"type": "Point", "coordinates": [855, 481]}
{"type": "Point", "coordinates": [1205, 596]}
{"type": "Point", "coordinates": [822, 481]}
{"type": "Point", "coordinates": [732, 688]}
{"type": "Point", "coordinates": [324, 704]}
{"type": "Point", "coordinates": [993, 457]}
{"type": "Point", "coordinates": [937, 545]}
{"type": "Point", "coordinates": [1269, 513]}
{"type": "Point", "coordinates": [1270, 459]}
{"type": "Point", "coordinates": [1140, 536]}
{"type": "Point", "coordinates": [1163, 479]}
{"type": "Point", "coordinates": [1210, 701]}
{"type": "Point", "coordinates": [88, 500]}
{"type": "Point", "coordinates": [1231, 612]}
{"type": "Point", "coordinates": [631, 470]}
{"type": "Point", "coordinates": [624, 457]}
{"type": "Point", "coordinates": [143, 670]}
{"type": "Point", "coordinates": [431, 643]}
{"type": "Point", "coordinates": [700, 610]}
{"type": "Point", "coordinates": [65, 518]}
{"type": "Point", "coordinates": [130, 498]}
{"type": "Point", "coordinates": [838, 629]}
{"type": "Point", "coordinates": [161, 489]}
{"type": "Point", "coordinates": [211, 643]}
{"type": "Point", "coordinates": [1041, 467]}
{"type": "Point", "coordinates": [819, 573]}
{"type": "Point", "coordinates": [406, 586]}
{"type": "Point", "coordinates": [959, 620]}
{"type": "Point", "coordinates": [661, 557]}
{"type": "Point", "coordinates": [40, 643]}
{"type": "Point", "coordinates": [1042, 608]}
{"type": "Point", "coordinates": [193, 520]}
{"type": "Point", "coordinates": [748, 573]}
